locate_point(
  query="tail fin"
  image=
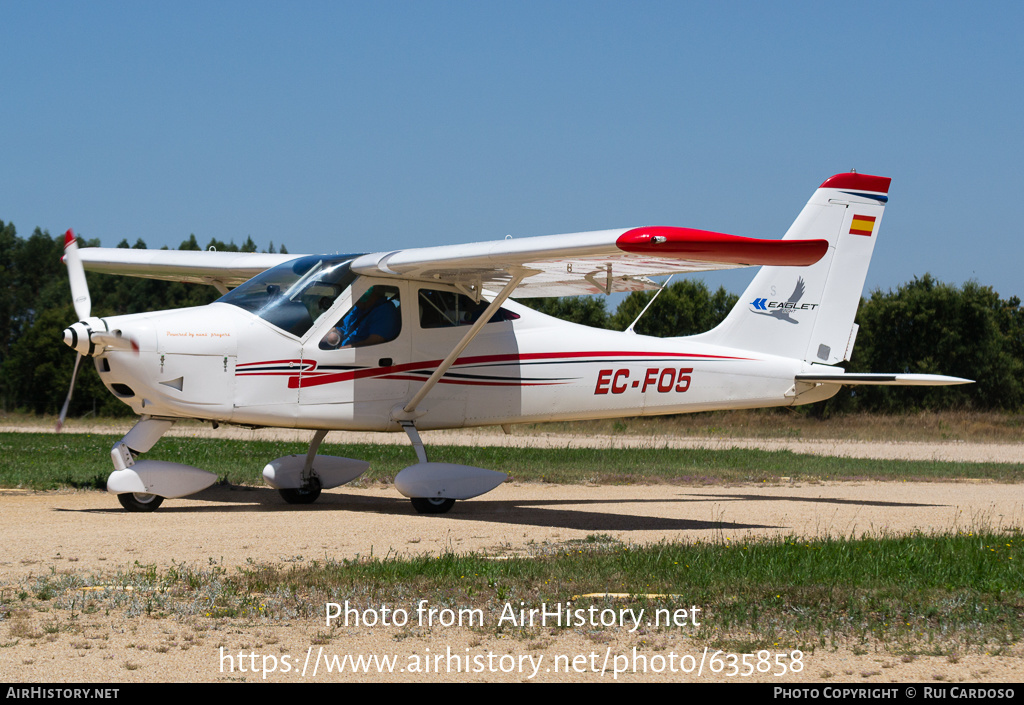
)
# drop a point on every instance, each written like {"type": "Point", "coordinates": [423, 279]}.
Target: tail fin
{"type": "Point", "coordinates": [807, 312]}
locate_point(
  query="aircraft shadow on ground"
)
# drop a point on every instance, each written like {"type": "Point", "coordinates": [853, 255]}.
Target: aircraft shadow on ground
{"type": "Point", "coordinates": [825, 500]}
{"type": "Point", "coordinates": [551, 513]}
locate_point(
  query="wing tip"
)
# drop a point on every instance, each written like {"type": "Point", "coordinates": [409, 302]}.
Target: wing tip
{"type": "Point", "coordinates": [709, 246]}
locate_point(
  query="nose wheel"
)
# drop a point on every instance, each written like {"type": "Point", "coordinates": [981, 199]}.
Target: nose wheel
{"type": "Point", "coordinates": [432, 505]}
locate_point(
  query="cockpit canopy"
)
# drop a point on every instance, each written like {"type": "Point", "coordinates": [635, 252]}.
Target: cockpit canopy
{"type": "Point", "coordinates": [293, 295]}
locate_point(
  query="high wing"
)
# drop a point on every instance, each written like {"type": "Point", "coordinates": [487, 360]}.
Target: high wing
{"type": "Point", "coordinates": [226, 269]}
{"type": "Point", "coordinates": [604, 261]}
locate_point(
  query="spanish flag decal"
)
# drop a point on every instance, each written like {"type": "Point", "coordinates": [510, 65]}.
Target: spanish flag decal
{"type": "Point", "coordinates": [862, 225]}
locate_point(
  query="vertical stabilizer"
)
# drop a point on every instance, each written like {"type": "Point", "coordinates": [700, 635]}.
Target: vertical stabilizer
{"type": "Point", "coordinates": [807, 312]}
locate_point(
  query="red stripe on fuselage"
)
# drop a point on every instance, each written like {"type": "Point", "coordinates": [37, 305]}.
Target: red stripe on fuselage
{"type": "Point", "coordinates": [329, 378]}
{"type": "Point", "coordinates": [478, 383]}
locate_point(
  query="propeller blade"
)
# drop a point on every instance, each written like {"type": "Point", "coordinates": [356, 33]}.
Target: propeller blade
{"type": "Point", "coordinates": [64, 411]}
{"type": "Point", "coordinates": [76, 275]}
{"type": "Point", "coordinates": [114, 340]}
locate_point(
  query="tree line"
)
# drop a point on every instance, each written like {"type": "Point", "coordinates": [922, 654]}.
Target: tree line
{"type": "Point", "coordinates": [923, 326]}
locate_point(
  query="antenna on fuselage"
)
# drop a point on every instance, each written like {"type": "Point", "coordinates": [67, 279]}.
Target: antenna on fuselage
{"type": "Point", "coordinates": [656, 295]}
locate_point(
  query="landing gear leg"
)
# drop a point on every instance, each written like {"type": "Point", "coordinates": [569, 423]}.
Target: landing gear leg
{"type": "Point", "coordinates": [142, 436]}
{"type": "Point", "coordinates": [425, 505]}
{"type": "Point", "coordinates": [309, 492]}
{"type": "Point", "coordinates": [417, 443]}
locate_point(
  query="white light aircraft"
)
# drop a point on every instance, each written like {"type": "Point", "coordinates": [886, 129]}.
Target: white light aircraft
{"type": "Point", "coordinates": [429, 338]}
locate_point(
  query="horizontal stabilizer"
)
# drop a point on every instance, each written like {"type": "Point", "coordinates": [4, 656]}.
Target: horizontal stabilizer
{"type": "Point", "coordinates": [882, 378]}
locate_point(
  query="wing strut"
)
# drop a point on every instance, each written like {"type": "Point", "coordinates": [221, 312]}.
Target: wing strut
{"type": "Point", "coordinates": [656, 295]}
{"type": "Point", "coordinates": [408, 410]}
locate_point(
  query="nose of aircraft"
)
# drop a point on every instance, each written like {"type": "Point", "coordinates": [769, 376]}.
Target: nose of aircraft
{"type": "Point", "coordinates": [92, 336]}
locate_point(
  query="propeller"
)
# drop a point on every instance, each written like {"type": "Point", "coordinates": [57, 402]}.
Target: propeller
{"type": "Point", "coordinates": [76, 275]}
{"type": "Point", "coordinates": [88, 336]}
{"type": "Point", "coordinates": [64, 409]}
{"type": "Point", "coordinates": [82, 302]}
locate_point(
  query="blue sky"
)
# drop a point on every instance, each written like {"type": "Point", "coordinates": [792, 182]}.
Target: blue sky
{"type": "Point", "coordinates": [366, 126]}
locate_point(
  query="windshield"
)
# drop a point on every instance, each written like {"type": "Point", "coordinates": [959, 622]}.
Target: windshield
{"type": "Point", "coordinates": [293, 295]}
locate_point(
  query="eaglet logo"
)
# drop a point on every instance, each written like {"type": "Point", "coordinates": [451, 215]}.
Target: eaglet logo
{"type": "Point", "coordinates": [782, 309]}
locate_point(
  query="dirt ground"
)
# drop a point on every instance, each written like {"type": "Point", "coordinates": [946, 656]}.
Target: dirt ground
{"type": "Point", "coordinates": [86, 532]}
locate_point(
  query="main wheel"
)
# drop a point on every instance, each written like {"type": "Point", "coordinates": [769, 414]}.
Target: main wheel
{"type": "Point", "coordinates": [432, 505]}
{"type": "Point", "coordinates": [302, 495]}
{"type": "Point", "coordinates": [140, 501]}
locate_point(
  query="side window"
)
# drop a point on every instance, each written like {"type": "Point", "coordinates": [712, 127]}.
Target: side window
{"type": "Point", "coordinates": [446, 309]}
{"type": "Point", "coordinates": [320, 297]}
{"type": "Point", "coordinates": [374, 319]}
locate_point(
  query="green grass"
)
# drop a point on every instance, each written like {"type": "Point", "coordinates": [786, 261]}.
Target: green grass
{"type": "Point", "coordinates": [48, 461]}
{"type": "Point", "coordinates": [917, 594]}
